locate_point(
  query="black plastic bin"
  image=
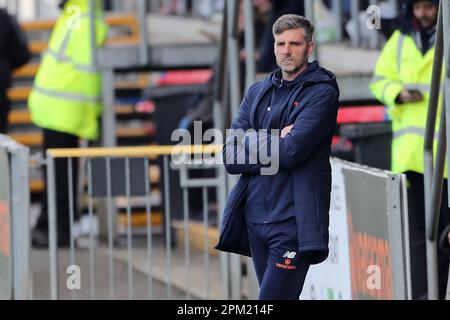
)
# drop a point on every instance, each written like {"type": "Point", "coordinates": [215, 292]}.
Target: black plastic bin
{"type": "Point", "coordinates": [371, 143]}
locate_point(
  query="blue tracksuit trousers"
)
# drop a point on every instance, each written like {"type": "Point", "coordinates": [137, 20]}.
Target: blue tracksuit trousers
{"type": "Point", "coordinates": [281, 271]}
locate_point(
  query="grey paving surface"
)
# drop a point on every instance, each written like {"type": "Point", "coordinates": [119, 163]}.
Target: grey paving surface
{"type": "Point", "coordinates": [41, 288]}
{"type": "Point", "coordinates": [186, 272]}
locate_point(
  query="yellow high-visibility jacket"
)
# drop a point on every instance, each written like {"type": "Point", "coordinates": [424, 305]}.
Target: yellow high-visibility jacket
{"type": "Point", "coordinates": [402, 65]}
{"type": "Point", "coordinates": [66, 96]}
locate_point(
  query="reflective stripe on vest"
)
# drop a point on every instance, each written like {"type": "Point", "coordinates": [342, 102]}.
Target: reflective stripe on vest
{"type": "Point", "coordinates": [63, 58]}
{"type": "Point", "coordinates": [422, 87]}
{"type": "Point", "coordinates": [418, 131]}
{"type": "Point", "coordinates": [67, 96]}
{"type": "Point", "coordinates": [66, 38]}
{"type": "Point", "coordinates": [401, 39]}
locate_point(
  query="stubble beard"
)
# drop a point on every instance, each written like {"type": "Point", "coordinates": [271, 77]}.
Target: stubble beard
{"type": "Point", "coordinates": [295, 68]}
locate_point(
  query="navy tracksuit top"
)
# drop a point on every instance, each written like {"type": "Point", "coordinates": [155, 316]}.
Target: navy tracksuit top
{"type": "Point", "coordinates": [270, 198]}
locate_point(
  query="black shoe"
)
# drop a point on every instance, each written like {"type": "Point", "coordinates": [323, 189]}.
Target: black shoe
{"type": "Point", "coordinates": [39, 240]}
{"type": "Point", "coordinates": [64, 242]}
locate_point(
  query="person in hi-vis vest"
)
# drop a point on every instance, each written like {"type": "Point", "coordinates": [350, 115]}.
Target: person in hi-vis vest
{"type": "Point", "coordinates": [66, 101]}
{"type": "Point", "coordinates": [402, 81]}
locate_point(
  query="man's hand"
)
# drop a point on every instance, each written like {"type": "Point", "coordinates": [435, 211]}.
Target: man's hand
{"type": "Point", "coordinates": [410, 96]}
{"type": "Point", "coordinates": [286, 130]}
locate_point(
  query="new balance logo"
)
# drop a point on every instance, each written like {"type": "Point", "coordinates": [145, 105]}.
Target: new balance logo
{"type": "Point", "coordinates": [287, 263]}
{"type": "Point", "coordinates": [289, 254]}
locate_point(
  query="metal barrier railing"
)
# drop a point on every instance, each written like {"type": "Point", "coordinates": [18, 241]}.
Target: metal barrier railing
{"type": "Point", "coordinates": [128, 187]}
{"type": "Point", "coordinates": [434, 166]}
{"type": "Point", "coordinates": [15, 273]}
{"type": "Point", "coordinates": [105, 166]}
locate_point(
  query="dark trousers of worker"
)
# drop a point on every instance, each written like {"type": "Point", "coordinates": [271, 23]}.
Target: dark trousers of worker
{"type": "Point", "coordinates": [5, 106]}
{"type": "Point", "coordinates": [55, 139]}
{"type": "Point", "coordinates": [280, 269]}
{"type": "Point", "coordinates": [417, 240]}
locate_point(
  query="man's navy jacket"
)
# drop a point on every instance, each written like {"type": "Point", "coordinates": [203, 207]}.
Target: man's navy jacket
{"type": "Point", "coordinates": [305, 150]}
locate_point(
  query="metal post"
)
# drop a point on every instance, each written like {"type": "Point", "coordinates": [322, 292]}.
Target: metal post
{"type": "Point", "coordinates": [108, 94]}
{"type": "Point", "coordinates": [405, 236]}
{"type": "Point", "coordinates": [129, 236]}
{"type": "Point", "coordinates": [431, 117]}
{"type": "Point", "coordinates": [219, 81]}
{"type": "Point", "coordinates": [167, 225]}
{"type": "Point", "coordinates": [233, 56]}
{"type": "Point", "coordinates": [250, 79]}
{"type": "Point", "coordinates": [206, 240]}
{"type": "Point", "coordinates": [431, 178]}
{"type": "Point", "coordinates": [356, 41]}
{"type": "Point", "coordinates": [110, 227]}
{"type": "Point", "coordinates": [432, 215]}
{"type": "Point", "coordinates": [310, 14]}
{"type": "Point", "coordinates": [20, 208]}
{"type": "Point", "coordinates": [187, 252]}
{"type": "Point", "coordinates": [249, 44]}
{"type": "Point", "coordinates": [336, 7]}
{"type": "Point", "coordinates": [446, 38]}
{"type": "Point", "coordinates": [91, 233]}
{"type": "Point", "coordinates": [309, 10]}
{"type": "Point", "coordinates": [71, 217]}
{"type": "Point", "coordinates": [109, 117]}
{"type": "Point", "coordinates": [374, 35]}
{"type": "Point", "coordinates": [148, 211]}
{"type": "Point", "coordinates": [143, 32]}
{"type": "Point", "coordinates": [221, 199]}
{"type": "Point", "coordinates": [234, 83]}
{"type": "Point", "coordinates": [53, 250]}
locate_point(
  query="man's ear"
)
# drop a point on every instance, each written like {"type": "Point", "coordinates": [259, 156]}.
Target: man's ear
{"type": "Point", "coordinates": [311, 47]}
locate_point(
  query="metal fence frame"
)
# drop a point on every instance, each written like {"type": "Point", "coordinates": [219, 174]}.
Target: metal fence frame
{"type": "Point", "coordinates": [434, 167]}
{"type": "Point", "coordinates": [219, 182]}
{"type": "Point", "coordinates": [19, 156]}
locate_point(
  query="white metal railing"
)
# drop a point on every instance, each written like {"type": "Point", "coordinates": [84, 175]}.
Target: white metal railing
{"type": "Point", "coordinates": [15, 272]}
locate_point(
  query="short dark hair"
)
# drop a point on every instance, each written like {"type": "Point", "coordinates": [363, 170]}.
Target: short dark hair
{"type": "Point", "coordinates": [293, 21]}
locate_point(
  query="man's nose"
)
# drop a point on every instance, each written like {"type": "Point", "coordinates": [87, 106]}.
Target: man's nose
{"type": "Point", "coordinates": [286, 50]}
